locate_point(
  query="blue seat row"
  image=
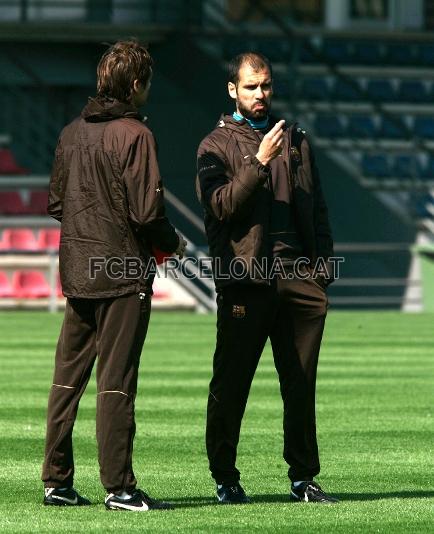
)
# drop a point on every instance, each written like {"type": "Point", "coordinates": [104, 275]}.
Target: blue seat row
{"type": "Point", "coordinates": [341, 51]}
{"type": "Point", "coordinates": [365, 127]}
{"type": "Point", "coordinates": [404, 166]}
{"type": "Point", "coordinates": [318, 89]}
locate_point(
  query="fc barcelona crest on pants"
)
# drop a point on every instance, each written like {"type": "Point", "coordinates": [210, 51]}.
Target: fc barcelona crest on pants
{"type": "Point", "coordinates": [239, 312]}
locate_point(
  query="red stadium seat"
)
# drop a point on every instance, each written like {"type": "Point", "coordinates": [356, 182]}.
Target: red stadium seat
{"type": "Point", "coordinates": [6, 289]}
{"type": "Point", "coordinates": [38, 203]}
{"type": "Point", "coordinates": [19, 239]}
{"type": "Point", "coordinates": [49, 239]}
{"type": "Point", "coordinates": [8, 164]}
{"type": "Point", "coordinates": [30, 284]}
{"type": "Point", "coordinates": [11, 203]}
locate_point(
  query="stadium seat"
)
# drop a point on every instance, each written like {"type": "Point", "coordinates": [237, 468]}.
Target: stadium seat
{"type": "Point", "coordinates": [306, 55]}
{"type": "Point", "coordinates": [38, 203]}
{"type": "Point", "coordinates": [346, 91]}
{"type": "Point", "coordinates": [315, 89]}
{"type": "Point", "coordinates": [8, 164]}
{"type": "Point", "coordinates": [375, 166]}
{"type": "Point", "coordinates": [412, 91]}
{"type": "Point", "coordinates": [381, 90]}
{"type": "Point", "coordinates": [11, 203]}
{"type": "Point", "coordinates": [19, 239]}
{"type": "Point", "coordinates": [6, 289]}
{"type": "Point", "coordinates": [367, 53]}
{"type": "Point", "coordinates": [274, 49]}
{"type": "Point", "coordinates": [30, 284]}
{"type": "Point", "coordinates": [424, 127]}
{"type": "Point", "coordinates": [362, 126]}
{"type": "Point", "coordinates": [49, 239]}
{"type": "Point", "coordinates": [329, 126]}
{"type": "Point", "coordinates": [282, 87]}
{"type": "Point", "coordinates": [425, 53]}
{"type": "Point", "coordinates": [400, 54]}
{"type": "Point", "coordinates": [337, 51]}
{"type": "Point", "coordinates": [427, 171]}
{"type": "Point", "coordinates": [393, 129]}
{"type": "Point", "coordinates": [406, 166]}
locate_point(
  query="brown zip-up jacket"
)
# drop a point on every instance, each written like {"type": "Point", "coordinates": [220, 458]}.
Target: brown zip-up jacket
{"type": "Point", "coordinates": [236, 192]}
{"type": "Point", "coordinates": [106, 191]}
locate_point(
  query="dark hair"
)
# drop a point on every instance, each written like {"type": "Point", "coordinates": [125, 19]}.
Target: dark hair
{"type": "Point", "coordinates": [121, 64]}
{"type": "Point", "coordinates": [256, 60]}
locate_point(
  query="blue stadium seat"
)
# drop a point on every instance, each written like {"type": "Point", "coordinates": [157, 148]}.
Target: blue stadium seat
{"type": "Point", "coordinates": [420, 206]}
{"type": "Point", "coordinates": [282, 87]}
{"type": "Point", "coordinates": [381, 90]}
{"type": "Point", "coordinates": [412, 91]}
{"type": "Point", "coordinates": [427, 171]}
{"type": "Point", "coordinates": [406, 166]}
{"type": "Point", "coordinates": [276, 50]}
{"type": "Point", "coordinates": [314, 89]}
{"type": "Point", "coordinates": [337, 51]}
{"type": "Point", "coordinates": [400, 54]}
{"type": "Point", "coordinates": [329, 126]}
{"type": "Point", "coordinates": [362, 127]}
{"type": "Point", "coordinates": [426, 55]}
{"type": "Point", "coordinates": [367, 53]}
{"type": "Point", "coordinates": [424, 127]}
{"type": "Point", "coordinates": [375, 166]}
{"type": "Point", "coordinates": [393, 129]}
{"type": "Point", "coordinates": [346, 91]}
{"type": "Point", "coordinates": [306, 55]}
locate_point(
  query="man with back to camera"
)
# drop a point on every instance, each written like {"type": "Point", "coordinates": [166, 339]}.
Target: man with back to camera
{"type": "Point", "coordinates": [262, 199]}
{"type": "Point", "coordinates": [107, 192]}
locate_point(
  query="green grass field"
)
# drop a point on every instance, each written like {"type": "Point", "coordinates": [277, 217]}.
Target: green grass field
{"type": "Point", "coordinates": [375, 429]}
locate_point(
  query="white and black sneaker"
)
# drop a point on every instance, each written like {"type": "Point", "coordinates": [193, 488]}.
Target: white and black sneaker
{"type": "Point", "coordinates": [137, 501]}
{"type": "Point", "coordinates": [64, 497]}
{"type": "Point", "coordinates": [231, 494]}
{"type": "Point", "coordinates": [310, 491]}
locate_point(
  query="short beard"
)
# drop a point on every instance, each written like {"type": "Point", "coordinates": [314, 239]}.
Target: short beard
{"type": "Point", "coordinates": [253, 115]}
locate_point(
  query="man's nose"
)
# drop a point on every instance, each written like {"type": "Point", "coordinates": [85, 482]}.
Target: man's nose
{"type": "Point", "coordinates": [259, 93]}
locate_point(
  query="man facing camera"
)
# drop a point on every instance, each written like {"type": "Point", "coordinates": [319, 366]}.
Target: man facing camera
{"type": "Point", "coordinates": [107, 193]}
{"type": "Point", "coordinates": [263, 204]}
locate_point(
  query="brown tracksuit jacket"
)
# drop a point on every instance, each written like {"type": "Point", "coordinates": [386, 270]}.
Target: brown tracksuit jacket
{"type": "Point", "coordinates": [107, 192]}
{"type": "Point", "coordinates": [236, 191]}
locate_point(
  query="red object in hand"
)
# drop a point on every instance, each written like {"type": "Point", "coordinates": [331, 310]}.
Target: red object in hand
{"type": "Point", "coordinates": [160, 256]}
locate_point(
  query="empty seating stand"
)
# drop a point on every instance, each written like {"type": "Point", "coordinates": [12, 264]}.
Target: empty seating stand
{"type": "Point", "coordinates": [6, 288]}
{"type": "Point", "coordinates": [30, 284]}
{"type": "Point", "coordinates": [11, 203]}
{"type": "Point", "coordinates": [49, 239]}
{"type": "Point", "coordinates": [362, 127]}
{"type": "Point", "coordinates": [38, 203]}
{"type": "Point", "coordinates": [19, 239]}
{"type": "Point", "coordinates": [375, 166]}
{"type": "Point", "coordinates": [8, 164]}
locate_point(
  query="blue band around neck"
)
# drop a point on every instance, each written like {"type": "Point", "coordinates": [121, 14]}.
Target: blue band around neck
{"type": "Point", "coordinates": [256, 125]}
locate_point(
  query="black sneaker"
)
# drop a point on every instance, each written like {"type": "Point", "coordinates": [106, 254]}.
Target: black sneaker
{"type": "Point", "coordinates": [310, 491]}
{"type": "Point", "coordinates": [138, 502]}
{"type": "Point", "coordinates": [232, 495]}
{"type": "Point", "coordinates": [64, 497]}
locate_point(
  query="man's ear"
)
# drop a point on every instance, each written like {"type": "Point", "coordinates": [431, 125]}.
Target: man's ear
{"type": "Point", "coordinates": [137, 86]}
{"type": "Point", "coordinates": [232, 90]}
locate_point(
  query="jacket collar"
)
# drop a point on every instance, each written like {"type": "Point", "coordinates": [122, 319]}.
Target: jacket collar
{"type": "Point", "coordinates": [101, 109]}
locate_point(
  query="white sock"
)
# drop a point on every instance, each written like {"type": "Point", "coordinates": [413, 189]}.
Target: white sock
{"type": "Point", "coordinates": [124, 496]}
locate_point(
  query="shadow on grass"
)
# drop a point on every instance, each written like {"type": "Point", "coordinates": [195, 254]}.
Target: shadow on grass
{"type": "Point", "coordinates": [196, 502]}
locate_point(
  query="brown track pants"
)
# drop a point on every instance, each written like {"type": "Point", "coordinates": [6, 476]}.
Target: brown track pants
{"type": "Point", "coordinates": [115, 330]}
{"type": "Point", "coordinates": [292, 314]}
